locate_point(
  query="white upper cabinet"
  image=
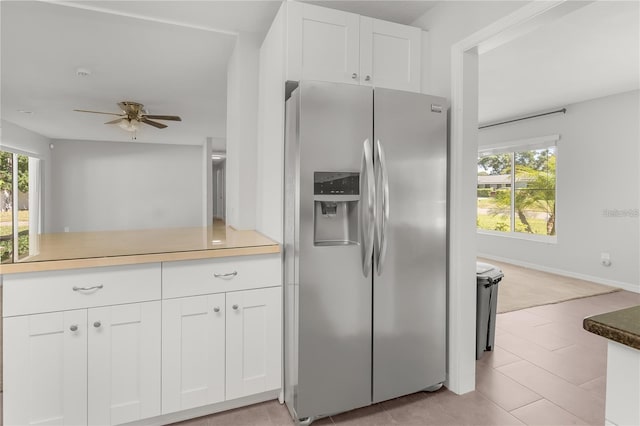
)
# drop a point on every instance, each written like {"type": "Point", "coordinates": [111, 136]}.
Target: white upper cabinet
{"type": "Point", "coordinates": [323, 44]}
{"type": "Point", "coordinates": [331, 45]}
{"type": "Point", "coordinates": [389, 55]}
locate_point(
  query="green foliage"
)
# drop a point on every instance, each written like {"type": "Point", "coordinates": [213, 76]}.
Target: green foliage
{"type": "Point", "coordinates": [535, 188]}
{"type": "Point", "coordinates": [484, 192]}
{"type": "Point", "coordinates": [498, 164]}
{"type": "Point", "coordinates": [6, 172]}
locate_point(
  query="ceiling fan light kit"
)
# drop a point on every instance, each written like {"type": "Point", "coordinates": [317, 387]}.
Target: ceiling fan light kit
{"type": "Point", "coordinates": [128, 125]}
{"type": "Point", "coordinates": [132, 115]}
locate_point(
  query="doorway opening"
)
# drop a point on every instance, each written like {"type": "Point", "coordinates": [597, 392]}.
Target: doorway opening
{"type": "Point", "coordinates": [218, 167]}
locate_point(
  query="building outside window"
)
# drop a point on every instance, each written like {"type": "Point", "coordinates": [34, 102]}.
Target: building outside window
{"type": "Point", "coordinates": [516, 190]}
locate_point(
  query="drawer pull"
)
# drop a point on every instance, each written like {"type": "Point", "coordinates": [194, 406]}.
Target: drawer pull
{"type": "Point", "coordinates": [235, 307]}
{"type": "Point", "coordinates": [97, 324]}
{"type": "Point", "coordinates": [95, 287]}
{"type": "Point", "coordinates": [216, 309]}
{"type": "Point", "coordinates": [74, 327]}
{"type": "Point", "coordinates": [230, 274]}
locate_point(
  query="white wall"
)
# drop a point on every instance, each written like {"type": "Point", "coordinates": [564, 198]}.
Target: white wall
{"type": "Point", "coordinates": [242, 121]}
{"type": "Point", "coordinates": [18, 138]}
{"type": "Point", "coordinates": [597, 169]}
{"type": "Point", "coordinates": [270, 167]}
{"type": "Point", "coordinates": [448, 23]}
{"type": "Point", "coordinates": [101, 186]}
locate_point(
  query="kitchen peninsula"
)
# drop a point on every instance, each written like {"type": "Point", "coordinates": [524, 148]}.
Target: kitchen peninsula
{"type": "Point", "coordinates": [622, 329]}
{"type": "Point", "coordinates": [141, 326]}
{"type": "Point", "coordinates": [74, 250]}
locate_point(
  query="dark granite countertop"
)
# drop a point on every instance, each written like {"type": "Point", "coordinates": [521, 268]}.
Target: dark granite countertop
{"type": "Point", "coordinates": [621, 326]}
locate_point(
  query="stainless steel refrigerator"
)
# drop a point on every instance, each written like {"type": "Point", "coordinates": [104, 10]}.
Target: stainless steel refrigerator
{"type": "Point", "coordinates": [364, 246]}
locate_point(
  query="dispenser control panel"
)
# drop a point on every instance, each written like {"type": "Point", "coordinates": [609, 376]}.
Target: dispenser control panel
{"type": "Point", "coordinates": [336, 183]}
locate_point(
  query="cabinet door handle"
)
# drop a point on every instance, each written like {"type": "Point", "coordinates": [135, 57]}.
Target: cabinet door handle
{"type": "Point", "coordinates": [216, 309]}
{"type": "Point", "coordinates": [230, 274]}
{"type": "Point", "coordinates": [354, 75]}
{"type": "Point", "coordinates": [74, 327]}
{"type": "Point", "coordinates": [95, 287]}
{"type": "Point", "coordinates": [97, 324]}
{"type": "Point", "coordinates": [367, 78]}
{"type": "Point", "coordinates": [235, 307]}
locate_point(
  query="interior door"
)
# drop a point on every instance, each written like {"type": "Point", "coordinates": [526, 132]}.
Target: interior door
{"type": "Point", "coordinates": [409, 288]}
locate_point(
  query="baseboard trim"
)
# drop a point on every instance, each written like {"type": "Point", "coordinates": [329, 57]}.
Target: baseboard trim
{"type": "Point", "coordinates": [598, 280]}
{"type": "Point", "coordinates": [207, 409]}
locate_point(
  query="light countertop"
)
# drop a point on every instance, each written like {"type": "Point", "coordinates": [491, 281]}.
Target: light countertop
{"type": "Point", "coordinates": [108, 248]}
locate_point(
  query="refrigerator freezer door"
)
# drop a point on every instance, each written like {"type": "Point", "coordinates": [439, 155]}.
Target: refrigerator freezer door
{"type": "Point", "coordinates": [334, 297]}
{"type": "Point", "coordinates": [409, 295]}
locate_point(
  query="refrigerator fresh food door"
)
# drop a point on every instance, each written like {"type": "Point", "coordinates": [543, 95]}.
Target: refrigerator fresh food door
{"type": "Point", "coordinates": [409, 288]}
{"type": "Point", "coordinates": [333, 294]}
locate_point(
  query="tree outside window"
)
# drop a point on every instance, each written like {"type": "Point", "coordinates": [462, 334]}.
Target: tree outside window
{"type": "Point", "coordinates": [9, 228]}
{"type": "Point", "coordinates": [517, 192]}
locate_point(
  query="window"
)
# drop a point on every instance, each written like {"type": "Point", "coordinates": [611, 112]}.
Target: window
{"type": "Point", "coordinates": [19, 205]}
{"type": "Point", "coordinates": [517, 189]}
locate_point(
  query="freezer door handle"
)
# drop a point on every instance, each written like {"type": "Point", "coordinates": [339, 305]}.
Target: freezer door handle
{"type": "Point", "coordinates": [382, 183]}
{"type": "Point", "coordinates": [367, 213]}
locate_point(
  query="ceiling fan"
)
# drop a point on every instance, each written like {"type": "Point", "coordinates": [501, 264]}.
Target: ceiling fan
{"type": "Point", "coordinates": [133, 113]}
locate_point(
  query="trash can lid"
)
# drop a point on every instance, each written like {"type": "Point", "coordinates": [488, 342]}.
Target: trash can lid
{"type": "Point", "coordinates": [488, 274]}
{"type": "Point", "coordinates": [481, 267]}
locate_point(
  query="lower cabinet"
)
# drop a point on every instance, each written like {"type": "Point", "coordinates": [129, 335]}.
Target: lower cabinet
{"type": "Point", "coordinates": [220, 347]}
{"type": "Point", "coordinates": [193, 330]}
{"type": "Point", "coordinates": [97, 366]}
{"type": "Point", "coordinates": [100, 346]}
{"type": "Point", "coordinates": [254, 341]}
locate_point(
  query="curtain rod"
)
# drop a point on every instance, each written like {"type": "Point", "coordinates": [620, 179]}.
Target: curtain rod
{"type": "Point", "coordinates": [563, 110]}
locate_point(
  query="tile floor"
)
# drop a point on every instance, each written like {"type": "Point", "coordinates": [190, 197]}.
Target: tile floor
{"type": "Point", "coordinates": [544, 370]}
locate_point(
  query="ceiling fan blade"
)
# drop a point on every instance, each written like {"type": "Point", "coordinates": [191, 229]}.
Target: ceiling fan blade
{"type": "Point", "coordinates": [153, 123]}
{"type": "Point", "coordinates": [163, 117]}
{"type": "Point", "coordinates": [96, 112]}
{"type": "Point", "coordinates": [117, 120]}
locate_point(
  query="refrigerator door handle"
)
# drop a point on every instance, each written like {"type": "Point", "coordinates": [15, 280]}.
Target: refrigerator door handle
{"type": "Point", "coordinates": [367, 222]}
{"type": "Point", "coordinates": [383, 217]}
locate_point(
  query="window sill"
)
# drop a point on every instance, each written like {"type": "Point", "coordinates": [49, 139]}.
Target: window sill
{"type": "Point", "coordinates": [521, 236]}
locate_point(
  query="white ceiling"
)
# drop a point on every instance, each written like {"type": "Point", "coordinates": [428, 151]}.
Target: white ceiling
{"type": "Point", "coordinates": [171, 69]}
{"type": "Point", "coordinates": [169, 55]}
{"type": "Point", "coordinates": [591, 52]}
{"type": "Point", "coordinates": [400, 11]}
{"type": "Point", "coordinates": [172, 56]}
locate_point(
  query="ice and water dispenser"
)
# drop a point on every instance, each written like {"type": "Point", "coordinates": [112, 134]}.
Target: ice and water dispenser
{"type": "Point", "coordinates": [335, 219]}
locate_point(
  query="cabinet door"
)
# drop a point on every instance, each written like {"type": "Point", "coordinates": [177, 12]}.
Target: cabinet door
{"type": "Point", "coordinates": [254, 340]}
{"type": "Point", "coordinates": [45, 375]}
{"type": "Point", "coordinates": [124, 363]}
{"type": "Point", "coordinates": [323, 44]}
{"type": "Point", "coordinates": [390, 55]}
{"type": "Point", "coordinates": [193, 352]}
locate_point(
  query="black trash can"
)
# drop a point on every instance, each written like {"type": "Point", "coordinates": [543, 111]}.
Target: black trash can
{"type": "Point", "coordinates": [488, 277]}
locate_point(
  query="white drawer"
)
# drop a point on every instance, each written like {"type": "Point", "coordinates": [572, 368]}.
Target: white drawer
{"type": "Point", "coordinates": [195, 277]}
{"type": "Point", "coordinates": [36, 292]}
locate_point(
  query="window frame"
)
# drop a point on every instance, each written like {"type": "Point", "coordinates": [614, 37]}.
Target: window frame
{"type": "Point", "coordinates": [35, 191]}
{"type": "Point", "coordinates": [511, 147]}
